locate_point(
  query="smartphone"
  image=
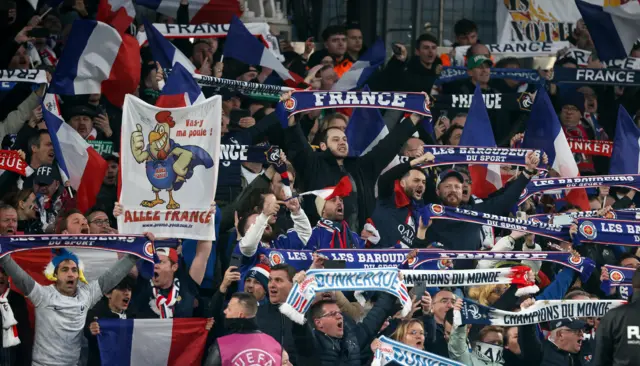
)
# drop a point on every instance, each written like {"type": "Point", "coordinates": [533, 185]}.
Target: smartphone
{"type": "Point", "coordinates": [38, 33]}
{"type": "Point", "coordinates": [396, 49]}
{"type": "Point", "coordinates": [335, 264]}
{"type": "Point", "coordinates": [236, 260]}
{"type": "Point", "coordinates": [419, 289]}
{"type": "Point", "coordinates": [562, 220]}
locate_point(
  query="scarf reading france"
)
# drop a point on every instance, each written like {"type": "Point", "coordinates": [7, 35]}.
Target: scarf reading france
{"type": "Point", "coordinates": [447, 155]}
{"type": "Point", "coordinates": [139, 246]}
{"type": "Point", "coordinates": [304, 101]}
{"type": "Point", "coordinates": [547, 184]}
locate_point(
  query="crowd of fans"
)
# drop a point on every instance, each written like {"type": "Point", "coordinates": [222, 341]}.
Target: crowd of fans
{"type": "Point", "coordinates": [203, 279]}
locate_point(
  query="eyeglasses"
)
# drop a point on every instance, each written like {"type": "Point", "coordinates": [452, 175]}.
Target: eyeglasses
{"type": "Point", "coordinates": [331, 314]}
{"type": "Point", "coordinates": [104, 222]}
{"type": "Point", "coordinates": [416, 333]}
{"type": "Point", "coordinates": [447, 300]}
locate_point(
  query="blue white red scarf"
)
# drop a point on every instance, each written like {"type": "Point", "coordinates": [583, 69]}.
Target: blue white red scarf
{"type": "Point", "coordinates": [434, 211]}
{"type": "Point", "coordinates": [394, 351]}
{"type": "Point", "coordinates": [304, 101]}
{"type": "Point", "coordinates": [541, 311]}
{"type": "Point", "coordinates": [603, 231]}
{"type": "Point", "coordinates": [322, 280]}
{"type": "Point", "coordinates": [547, 184]}
{"type": "Point", "coordinates": [447, 155]}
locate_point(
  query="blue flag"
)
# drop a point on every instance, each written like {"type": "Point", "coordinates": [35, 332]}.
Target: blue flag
{"type": "Point", "coordinates": [625, 157]}
{"type": "Point", "coordinates": [365, 129]}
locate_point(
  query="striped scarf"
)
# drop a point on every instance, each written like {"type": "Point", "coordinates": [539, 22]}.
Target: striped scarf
{"type": "Point", "coordinates": [164, 304]}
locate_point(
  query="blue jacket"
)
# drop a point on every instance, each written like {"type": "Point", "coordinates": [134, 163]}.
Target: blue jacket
{"type": "Point", "coordinates": [329, 234]}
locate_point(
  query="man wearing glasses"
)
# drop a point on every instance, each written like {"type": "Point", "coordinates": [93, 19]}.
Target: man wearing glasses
{"type": "Point", "coordinates": [99, 222]}
{"type": "Point", "coordinates": [442, 302]}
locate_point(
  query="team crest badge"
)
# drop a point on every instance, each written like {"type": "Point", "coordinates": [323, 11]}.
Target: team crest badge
{"type": "Point", "coordinates": [616, 276]}
{"type": "Point", "coordinates": [610, 215]}
{"type": "Point", "coordinates": [588, 230]}
{"type": "Point", "coordinates": [437, 210]}
{"type": "Point", "coordinates": [148, 249]}
{"type": "Point", "coordinates": [576, 260]}
{"type": "Point", "coordinates": [290, 104]}
{"type": "Point", "coordinates": [276, 257]}
{"type": "Point", "coordinates": [525, 100]}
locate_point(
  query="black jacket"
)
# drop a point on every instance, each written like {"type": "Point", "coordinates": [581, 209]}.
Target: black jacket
{"type": "Point", "coordinates": [324, 350]}
{"type": "Point", "coordinates": [101, 310]}
{"type": "Point", "coordinates": [458, 235]}
{"type": "Point", "coordinates": [317, 170]}
{"type": "Point", "coordinates": [234, 326]}
{"type": "Point", "coordinates": [411, 76]}
{"type": "Point", "coordinates": [545, 353]}
{"type": "Point", "coordinates": [21, 354]}
{"type": "Point", "coordinates": [618, 336]}
{"type": "Point", "coordinates": [273, 323]}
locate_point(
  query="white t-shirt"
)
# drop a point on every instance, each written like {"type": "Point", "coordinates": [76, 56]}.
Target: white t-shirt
{"type": "Point", "coordinates": [60, 321]}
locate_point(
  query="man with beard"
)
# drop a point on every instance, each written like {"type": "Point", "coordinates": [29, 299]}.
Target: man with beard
{"type": "Point", "coordinates": [459, 235]}
{"type": "Point", "coordinates": [400, 192]}
{"type": "Point", "coordinates": [61, 308]}
{"type": "Point", "coordinates": [332, 231]}
{"type": "Point", "coordinates": [115, 305]}
{"type": "Point", "coordinates": [16, 340]}
{"type": "Point", "coordinates": [243, 343]}
{"type": "Point", "coordinates": [318, 170]}
{"type": "Point", "coordinates": [258, 235]}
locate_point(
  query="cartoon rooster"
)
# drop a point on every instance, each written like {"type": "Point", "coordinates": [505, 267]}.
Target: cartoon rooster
{"type": "Point", "coordinates": [168, 164]}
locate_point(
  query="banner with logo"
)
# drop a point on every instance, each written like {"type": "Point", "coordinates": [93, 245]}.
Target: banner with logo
{"type": "Point", "coordinates": [548, 184]}
{"type": "Point", "coordinates": [596, 76]}
{"type": "Point", "coordinates": [12, 161]}
{"type": "Point", "coordinates": [591, 147]}
{"type": "Point", "coordinates": [603, 231]}
{"type": "Point", "coordinates": [540, 312]}
{"type": "Point", "coordinates": [303, 101]}
{"type": "Point", "coordinates": [548, 21]}
{"type": "Point", "coordinates": [448, 155]}
{"type": "Point", "coordinates": [139, 246]}
{"type": "Point", "coordinates": [165, 150]}
{"type": "Point", "coordinates": [434, 211]}
{"type": "Point", "coordinates": [24, 76]}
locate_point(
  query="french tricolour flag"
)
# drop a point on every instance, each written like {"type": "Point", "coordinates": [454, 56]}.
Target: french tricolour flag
{"type": "Point", "coordinates": [625, 157]}
{"type": "Point", "coordinates": [477, 131]}
{"type": "Point", "coordinates": [79, 162]}
{"type": "Point", "coordinates": [97, 59]}
{"type": "Point", "coordinates": [152, 342]}
{"type": "Point", "coordinates": [365, 129]}
{"type": "Point", "coordinates": [613, 28]}
{"type": "Point", "coordinates": [118, 13]}
{"type": "Point", "coordinates": [245, 47]}
{"type": "Point", "coordinates": [545, 133]}
{"type": "Point", "coordinates": [200, 11]}
{"type": "Point", "coordinates": [164, 51]}
{"type": "Point", "coordinates": [180, 90]}
{"type": "Point", "coordinates": [342, 189]}
{"type": "Point", "coordinates": [360, 71]}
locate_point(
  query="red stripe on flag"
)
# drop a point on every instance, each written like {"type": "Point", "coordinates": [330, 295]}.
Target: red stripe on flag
{"type": "Point", "coordinates": [119, 19]}
{"type": "Point", "coordinates": [91, 181]}
{"type": "Point", "coordinates": [217, 12]}
{"type": "Point", "coordinates": [480, 186]}
{"type": "Point", "coordinates": [578, 197]}
{"type": "Point", "coordinates": [33, 262]}
{"type": "Point", "coordinates": [188, 339]}
{"type": "Point", "coordinates": [125, 72]}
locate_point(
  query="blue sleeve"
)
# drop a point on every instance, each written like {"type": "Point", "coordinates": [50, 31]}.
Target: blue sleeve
{"type": "Point", "coordinates": [314, 241]}
{"type": "Point", "coordinates": [559, 286]}
{"type": "Point", "coordinates": [360, 243]}
{"type": "Point", "coordinates": [289, 241]}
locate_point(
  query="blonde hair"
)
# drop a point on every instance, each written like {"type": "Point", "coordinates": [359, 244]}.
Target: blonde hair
{"type": "Point", "coordinates": [403, 328]}
{"type": "Point", "coordinates": [481, 294]}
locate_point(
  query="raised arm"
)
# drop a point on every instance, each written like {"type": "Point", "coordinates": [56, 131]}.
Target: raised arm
{"type": "Point", "coordinates": [20, 278]}
{"type": "Point", "coordinates": [199, 264]}
{"type": "Point", "coordinates": [116, 273]}
{"type": "Point", "coordinates": [301, 222]}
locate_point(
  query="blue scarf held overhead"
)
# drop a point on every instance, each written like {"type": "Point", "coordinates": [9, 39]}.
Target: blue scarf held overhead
{"type": "Point", "coordinates": [603, 231]}
{"type": "Point", "coordinates": [454, 73]}
{"type": "Point", "coordinates": [304, 101]}
{"type": "Point", "coordinates": [448, 155]}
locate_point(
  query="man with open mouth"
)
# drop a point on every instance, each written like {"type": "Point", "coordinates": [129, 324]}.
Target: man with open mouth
{"type": "Point", "coordinates": [115, 305]}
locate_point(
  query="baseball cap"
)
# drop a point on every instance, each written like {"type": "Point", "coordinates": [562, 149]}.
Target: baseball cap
{"type": "Point", "coordinates": [571, 323]}
{"type": "Point", "coordinates": [478, 60]}
{"type": "Point", "coordinates": [449, 173]}
{"type": "Point", "coordinates": [44, 175]}
{"type": "Point", "coordinates": [169, 252]}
